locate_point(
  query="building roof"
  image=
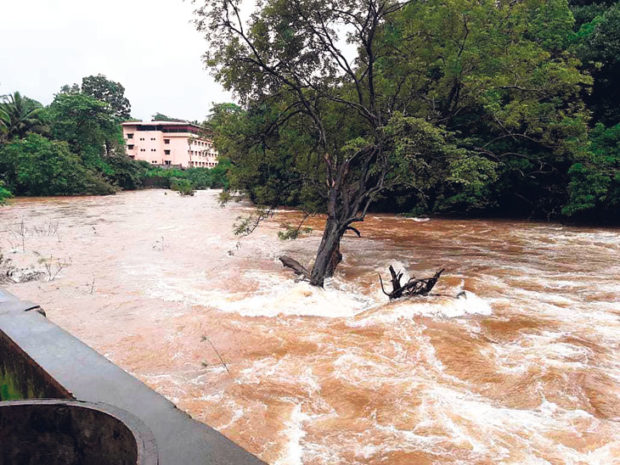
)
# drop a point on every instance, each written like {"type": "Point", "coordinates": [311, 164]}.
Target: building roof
{"type": "Point", "coordinates": [158, 123]}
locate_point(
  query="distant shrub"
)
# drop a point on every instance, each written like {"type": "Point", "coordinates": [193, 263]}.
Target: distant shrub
{"type": "Point", "coordinates": [201, 178]}
{"type": "Point", "coordinates": [182, 186]}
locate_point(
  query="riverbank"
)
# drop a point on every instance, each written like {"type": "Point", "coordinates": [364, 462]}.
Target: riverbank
{"type": "Point", "coordinates": [524, 370]}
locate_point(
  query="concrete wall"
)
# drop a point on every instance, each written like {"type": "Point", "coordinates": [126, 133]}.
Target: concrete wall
{"type": "Point", "coordinates": [57, 364]}
{"type": "Point", "coordinates": [54, 432]}
{"type": "Point", "coordinates": [21, 378]}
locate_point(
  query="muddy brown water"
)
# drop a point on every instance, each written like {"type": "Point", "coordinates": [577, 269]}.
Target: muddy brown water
{"type": "Point", "coordinates": [525, 370]}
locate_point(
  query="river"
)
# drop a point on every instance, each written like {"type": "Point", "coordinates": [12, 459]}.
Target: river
{"type": "Point", "coordinates": [524, 370]}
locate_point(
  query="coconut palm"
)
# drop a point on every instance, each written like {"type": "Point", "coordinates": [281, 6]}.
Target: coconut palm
{"type": "Point", "coordinates": [4, 123]}
{"type": "Point", "coordinates": [20, 115]}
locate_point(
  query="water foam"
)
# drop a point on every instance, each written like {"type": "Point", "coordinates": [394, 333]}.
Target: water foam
{"type": "Point", "coordinates": [431, 306]}
{"type": "Point", "coordinates": [277, 294]}
{"type": "Point", "coordinates": [293, 451]}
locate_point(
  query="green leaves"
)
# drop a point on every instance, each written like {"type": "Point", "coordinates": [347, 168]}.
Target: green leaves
{"type": "Point", "coordinates": [87, 124]}
{"type": "Point", "coordinates": [19, 116]}
{"type": "Point", "coordinates": [474, 105]}
{"type": "Point", "coordinates": [183, 186]}
{"type": "Point", "coordinates": [87, 155]}
{"type": "Point", "coordinates": [595, 179]}
{"type": "Point", "coordinates": [37, 166]}
{"type": "Point", "coordinates": [4, 194]}
{"type": "Point", "coordinates": [110, 92]}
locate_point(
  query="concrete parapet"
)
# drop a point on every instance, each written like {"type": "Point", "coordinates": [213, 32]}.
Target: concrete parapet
{"type": "Point", "coordinates": [77, 371]}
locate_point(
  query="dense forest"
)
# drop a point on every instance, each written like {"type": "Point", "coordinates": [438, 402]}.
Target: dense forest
{"type": "Point", "coordinates": [460, 107]}
{"type": "Point", "coordinates": [74, 146]}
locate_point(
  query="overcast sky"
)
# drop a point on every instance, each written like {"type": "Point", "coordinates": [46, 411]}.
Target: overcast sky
{"type": "Point", "coordinates": [149, 46]}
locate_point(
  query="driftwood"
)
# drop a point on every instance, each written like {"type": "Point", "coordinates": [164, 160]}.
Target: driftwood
{"type": "Point", "coordinates": [412, 287]}
{"type": "Point", "coordinates": [294, 265]}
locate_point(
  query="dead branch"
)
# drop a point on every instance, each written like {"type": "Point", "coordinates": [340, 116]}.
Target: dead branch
{"type": "Point", "coordinates": [413, 287]}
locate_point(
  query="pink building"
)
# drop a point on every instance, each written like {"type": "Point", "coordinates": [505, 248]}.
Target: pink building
{"type": "Point", "coordinates": [169, 143]}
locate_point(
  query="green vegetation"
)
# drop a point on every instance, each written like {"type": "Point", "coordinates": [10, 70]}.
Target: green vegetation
{"type": "Point", "coordinates": [200, 178]}
{"type": "Point", "coordinates": [75, 146]}
{"type": "Point", "coordinates": [482, 108]}
{"type": "Point", "coordinates": [161, 117]}
{"type": "Point", "coordinates": [110, 92]}
{"type": "Point", "coordinates": [38, 166]}
{"type": "Point", "coordinates": [9, 389]}
{"type": "Point", "coordinates": [182, 186]}
{"type": "Point", "coordinates": [18, 116]}
{"type": "Point", "coordinates": [594, 188]}
{"type": "Point", "coordinates": [462, 107]}
{"type": "Point", "coordinates": [4, 194]}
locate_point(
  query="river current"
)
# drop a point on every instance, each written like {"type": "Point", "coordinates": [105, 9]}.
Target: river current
{"type": "Point", "coordinates": [524, 370]}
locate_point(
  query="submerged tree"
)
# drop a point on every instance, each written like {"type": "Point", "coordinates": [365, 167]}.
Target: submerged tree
{"type": "Point", "coordinates": [344, 99]}
{"type": "Point", "coordinates": [291, 55]}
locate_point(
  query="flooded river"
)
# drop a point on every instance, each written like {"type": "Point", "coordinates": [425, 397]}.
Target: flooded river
{"type": "Point", "coordinates": [524, 370]}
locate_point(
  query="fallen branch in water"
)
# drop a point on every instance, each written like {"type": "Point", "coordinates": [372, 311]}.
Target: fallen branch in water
{"type": "Point", "coordinates": [411, 288]}
{"type": "Point", "coordinates": [294, 265]}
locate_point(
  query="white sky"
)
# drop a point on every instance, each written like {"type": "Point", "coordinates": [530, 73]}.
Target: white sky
{"type": "Point", "coordinates": [149, 46]}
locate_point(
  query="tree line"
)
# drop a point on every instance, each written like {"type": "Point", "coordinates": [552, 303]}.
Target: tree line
{"type": "Point", "coordinates": [75, 146]}
{"type": "Point", "coordinates": [459, 107]}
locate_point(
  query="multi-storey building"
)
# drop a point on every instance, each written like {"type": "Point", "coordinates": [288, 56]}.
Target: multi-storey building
{"type": "Point", "coordinates": [169, 143]}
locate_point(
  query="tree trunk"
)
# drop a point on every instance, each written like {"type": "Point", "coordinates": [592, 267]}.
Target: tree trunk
{"type": "Point", "coordinates": [328, 255]}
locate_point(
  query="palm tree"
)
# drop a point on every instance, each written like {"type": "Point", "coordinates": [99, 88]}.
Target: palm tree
{"type": "Point", "coordinates": [20, 115]}
{"type": "Point", "coordinates": [4, 123]}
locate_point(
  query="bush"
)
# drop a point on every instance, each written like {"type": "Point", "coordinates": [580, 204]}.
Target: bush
{"type": "Point", "coordinates": [4, 194]}
{"type": "Point", "coordinates": [182, 186]}
{"type": "Point", "coordinates": [37, 166]}
{"type": "Point", "coordinates": [122, 171]}
{"type": "Point", "coordinates": [200, 178]}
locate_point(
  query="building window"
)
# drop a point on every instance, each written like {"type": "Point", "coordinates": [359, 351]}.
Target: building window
{"type": "Point", "coordinates": [141, 138]}
{"type": "Point", "coordinates": [167, 152]}
{"type": "Point", "coordinates": [130, 136]}
{"type": "Point", "coordinates": [154, 162]}
{"type": "Point", "coordinates": [153, 150]}
{"type": "Point", "coordinates": [166, 141]}
{"type": "Point", "coordinates": [130, 146]}
{"type": "Point", "coordinates": [167, 162]}
{"type": "Point", "coordinates": [152, 138]}
{"type": "Point", "coordinates": [142, 150]}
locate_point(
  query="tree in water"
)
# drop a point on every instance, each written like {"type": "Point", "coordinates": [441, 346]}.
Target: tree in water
{"type": "Point", "coordinates": [341, 100]}
{"type": "Point", "coordinates": [292, 52]}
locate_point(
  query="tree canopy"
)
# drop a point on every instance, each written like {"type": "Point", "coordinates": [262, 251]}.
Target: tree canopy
{"type": "Point", "coordinates": [161, 117]}
{"type": "Point", "coordinates": [37, 166]}
{"type": "Point", "coordinates": [436, 107]}
{"type": "Point", "coordinates": [19, 115]}
{"type": "Point", "coordinates": [110, 92]}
